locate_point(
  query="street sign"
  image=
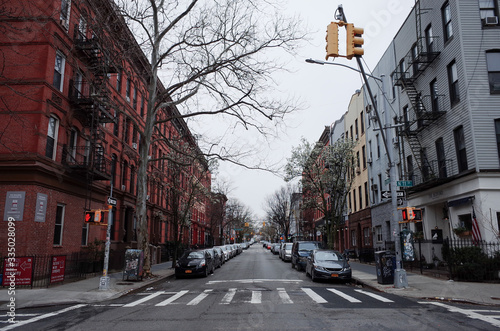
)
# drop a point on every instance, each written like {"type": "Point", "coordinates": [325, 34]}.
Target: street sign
{"type": "Point", "coordinates": [387, 194]}
{"type": "Point", "coordinates": [400, 201]}
{"type": "Point", "coordinates": [405, 183]}
{"type": "Point", "coordinates": [112, 201]}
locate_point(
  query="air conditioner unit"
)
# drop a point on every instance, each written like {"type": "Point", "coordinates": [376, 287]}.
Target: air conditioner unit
{"type": "Point", "coordinates": [134, 145]}
{"type": "Point", "coordinates": [374, 187]}
{"type": "Point", "coordinates": [368, 109]}
{"type": "Point", "coordinates": [395, 140]}
{"type": "Point", "coordinates": [491, 20]}
{"type": "Point", "coordinates": [124, 187]}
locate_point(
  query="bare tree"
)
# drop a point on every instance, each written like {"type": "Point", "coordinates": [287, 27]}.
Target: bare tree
{"type": "Point", "coordinates": [213, 51]}
{"type": "Point", "coordinates": [237, 215]}
{"type": "Point", "coordinates": [326, 176]}
{"type": "Point", "coordinates": [279, 208]}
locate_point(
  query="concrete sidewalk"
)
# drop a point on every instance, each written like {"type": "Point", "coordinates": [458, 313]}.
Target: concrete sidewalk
{"type": "Point", "coordinates": [424, 287]}
{"type": "Point", "coordinates": [83, 291]}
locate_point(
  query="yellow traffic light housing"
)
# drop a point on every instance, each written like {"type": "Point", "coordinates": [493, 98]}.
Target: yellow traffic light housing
{"type": "Point", "coordinates": [354, 41]}
{"type": "Point", "coordinates": [332, 40]}
{"type": "Point", "coordinates": [89, 216]}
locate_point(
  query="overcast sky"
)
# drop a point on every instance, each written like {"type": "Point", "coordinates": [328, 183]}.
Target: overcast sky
{"type": "Point", "coordinates": [325, 90]}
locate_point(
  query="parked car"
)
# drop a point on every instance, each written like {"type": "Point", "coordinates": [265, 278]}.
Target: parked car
{"type": "Point", "coordinates": [227, 253]}
{"type": "Point", "coordinates": [219, 257]}
{"type": "Point", "coordinates": [286, 252]}
{"type": "Point", "coordinates": [195, 263]}
{"type": "Point", "coordinates": [301, 250]}
{"type": "Point", "coordinates": [275, 248]}
{"type": "Point", "coordinates": [328, 264]}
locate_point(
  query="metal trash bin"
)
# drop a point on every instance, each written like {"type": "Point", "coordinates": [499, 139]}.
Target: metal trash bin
{"type": "Point", "coordinates": [133, 264]}
{"type": "Point", "coordinates": [385, 263]}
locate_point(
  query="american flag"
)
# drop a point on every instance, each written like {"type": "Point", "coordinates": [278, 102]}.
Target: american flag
{"type": "Point", "coordinates": [476, 234]}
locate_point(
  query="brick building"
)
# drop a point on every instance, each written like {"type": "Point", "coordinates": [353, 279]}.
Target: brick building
{"type": "Point", "coordinates": [73, 94]}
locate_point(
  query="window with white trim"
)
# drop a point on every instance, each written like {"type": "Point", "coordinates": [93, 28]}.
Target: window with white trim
{"type": "Point", "coordinates": [59, 71]}
{"type": "Point", "coordinates": [52, 133]}
{"type": "Point", "coordinates": [493, 64]}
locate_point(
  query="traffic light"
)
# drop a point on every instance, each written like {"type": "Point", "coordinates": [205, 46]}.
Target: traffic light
{"type": "Point", "coordinates": [97, 216]}
{"type": "Point", "coordinates": [407, 214]}
{"type": "Point", "coordinates": [332, 40]}
{"type": "Point", "coordinates": [354, 41]}
{"type": "Point", "coordinates": [89, 216]}
{"type": "Point", "coordinates": [417, 214]}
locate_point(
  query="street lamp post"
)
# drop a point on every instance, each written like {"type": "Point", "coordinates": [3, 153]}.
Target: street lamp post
{"type": "Point", "coordinates": [400, 278]}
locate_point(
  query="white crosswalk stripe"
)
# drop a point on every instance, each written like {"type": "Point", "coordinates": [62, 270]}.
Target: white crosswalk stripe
{"type": "Point", "coordinates": [375, 296]}
{"type": "Point", "coordinates": [199, 298]}
{"type": "Point", "coordinates": [318, 295]}
{"type": "Point", "coordinates": [172, 299]}
{"type": "Point", "coordinates": [345, 296]}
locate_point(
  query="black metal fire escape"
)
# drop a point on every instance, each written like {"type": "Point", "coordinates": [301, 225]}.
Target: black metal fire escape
{"type": "Point", "coordinates": [424, 109]}
{"type": "Point", "coordinates": [91, 104]}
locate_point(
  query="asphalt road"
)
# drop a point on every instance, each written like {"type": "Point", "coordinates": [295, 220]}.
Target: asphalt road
{"type": "Point", "coordinates": [257, 291]}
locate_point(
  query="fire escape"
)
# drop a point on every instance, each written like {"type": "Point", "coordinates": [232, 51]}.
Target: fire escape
{"type": "Point", "coordinates": [425, 109]}
{"type": "Point", "coordinates": [91, 104]}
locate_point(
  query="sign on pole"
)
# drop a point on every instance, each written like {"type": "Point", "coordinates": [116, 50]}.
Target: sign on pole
{"type": "Point", "coordinates": [405, 183]}
{"type": "Point", "coordinates": [112, 201]}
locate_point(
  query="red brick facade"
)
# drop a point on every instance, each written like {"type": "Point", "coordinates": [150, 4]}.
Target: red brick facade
{"type": "Point", "coordinates": [71, 112]}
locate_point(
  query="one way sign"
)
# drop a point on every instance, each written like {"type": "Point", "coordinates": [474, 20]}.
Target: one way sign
{"type": "Point", "coordinates": [387, 194]}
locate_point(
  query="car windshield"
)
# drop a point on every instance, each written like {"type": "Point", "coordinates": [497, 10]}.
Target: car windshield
{"type": "Point", "coordinates": [195, 255]}
{"type": "Point", "coordinates": [307, 246]}
{"type": "Point", "coordinates": [288, 246]}
{"type": "Point", "coordinates": [328, 256]}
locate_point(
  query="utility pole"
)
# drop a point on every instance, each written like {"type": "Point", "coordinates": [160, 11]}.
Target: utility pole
{"type": "Point", "coordinates": [400, 277]}
{"type": "Point", "coordinates": [104, 281]}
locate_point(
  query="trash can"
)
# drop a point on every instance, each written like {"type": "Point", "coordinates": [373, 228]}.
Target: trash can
{"type": "Point", "coordinates": [385, 263]}
{"type": "Point", "coordinates": [133, 264]}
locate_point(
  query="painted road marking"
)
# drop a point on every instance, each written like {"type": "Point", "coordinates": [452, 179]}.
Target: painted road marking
{"type": "Point", "coordinates": [343, 295]}
{"type": "Point", "coordinates": [313, 295]}
{"type": "Point", "coordinates": [252, 281]}
{"type": "Point", "coordinates": [284, 296]}
{"type": "Point", "coordinates": [375, 296]}
{"type": "Point", "coordinates": [41, 317]}
{"type": "Point", "coordinates": [467, 312]}
{"type": "Point", "coordinates": [149, 297]}
{"type": "Point", "coordinates": [228, 297]}
{"type": "Point", "coordinates": [200, 297]}
{"type": "Point", "coordinates": [256, 297]}
{"type": "Point", "coordinates": [171, 299]}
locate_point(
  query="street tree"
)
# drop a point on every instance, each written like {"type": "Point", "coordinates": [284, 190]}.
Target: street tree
{"type": "Point", "coordinates": [279, 208]}
{"type": "Point", "coordinates": [208, 58]}
{"type": "Point", "coordinates": [236, 215]}
{"type": "Point", "coordinates": [326, 173]}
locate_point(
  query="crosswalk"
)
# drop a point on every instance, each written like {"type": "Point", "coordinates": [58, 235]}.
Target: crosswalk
{"type": "Point", "coordinates": [278, 295]}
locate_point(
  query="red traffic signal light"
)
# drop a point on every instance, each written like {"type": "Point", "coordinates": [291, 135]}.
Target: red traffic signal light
{"type": "Point", "coordinates": [405, 214]}
{"type": "Point", "coordinates": [89, 216]}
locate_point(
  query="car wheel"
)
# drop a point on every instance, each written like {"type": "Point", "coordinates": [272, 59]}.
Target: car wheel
{"type": "Point", "coordinates": [313, 278]}
{"type": "Point", "coordinates": [297, 266]}
{"type": "Point", "coordinates": [206, 272]}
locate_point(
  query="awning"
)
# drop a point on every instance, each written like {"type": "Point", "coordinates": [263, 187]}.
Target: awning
{"type": "Point", "coordinates": [462, 201]}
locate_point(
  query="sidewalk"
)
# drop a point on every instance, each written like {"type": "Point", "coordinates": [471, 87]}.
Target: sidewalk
{"type": "Point", "coordinates": [424, 287]}
{"type": "Point", "coordinates": [83, 291]}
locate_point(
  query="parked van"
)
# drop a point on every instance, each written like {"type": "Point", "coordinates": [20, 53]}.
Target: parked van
{"type": "Point", "coordinates": [301, 251]}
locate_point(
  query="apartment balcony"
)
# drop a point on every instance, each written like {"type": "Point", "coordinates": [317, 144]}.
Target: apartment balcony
{"type": "Point", "coordinates": [93, 51]}
{"type": "Point", "coordinates": [433, 173]}
{"type": "Point", "coordinates": [84, 160]}
{"type": "Point", "coordinates": [428, 109]}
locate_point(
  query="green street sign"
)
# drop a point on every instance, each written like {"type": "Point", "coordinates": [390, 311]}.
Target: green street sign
{"type": "Point", "coordinates": [405, 183]}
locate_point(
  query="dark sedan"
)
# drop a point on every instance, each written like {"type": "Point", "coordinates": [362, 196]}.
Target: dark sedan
{"type": "Point", "coordinates": [195, 263]}
{"type": "Point", "coordinates": [328, 264]}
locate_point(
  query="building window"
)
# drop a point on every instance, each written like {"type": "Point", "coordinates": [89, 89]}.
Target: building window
{"type": "Point", "coordinates": [142, 106]}
{"type": "Point", "coordinates": [65, 12]}
{"type": "Point", "coordinates": [493, 64]}
{"type": "Point", "coordinates": [363, 153]}
{"type": "Point", "coordinates": [378, 146]}
{"type": "Point", "coordinates": [119, 81]}
{"type": "Point", "coordinates": [366, 236]}
{"type": "Point", "coordinates": [362, 122]}
{"type": "Point", "coordinates": [356, 128]}
{"type": "Point", "coordinates": [85, 234]}
{"type": "Point", "coordinates": [447, 28]}
{"type": "Point", "coordinates": [487, 8]}
{"type": "Point", "coordinates": [354, 200]}
{"type": "Point", "coordinates": [59, 71]}
{"type": "Point", "coordinates": [134, 98]}
{"type": "Point", "coordinates": [458, 133]}
{"type": "Point", "coordinates": [126, 130]}
{"type": "Point", "coordinates": [414, 57]}
{"type": "Point", "coordinates": [434, 95]}
{"type": "Point", "coordinates": [360, 194]}
{"type": "Point", "coordinates": [366, 195]}
{"type": "Point", "coordinates": [497, 132]}
{"type": "Point", "coordinates": [453, 82]}
{"type": "Point", "coordinates": [378, 233]}
{"type": "Point", "coordinates": [465, 221]}
{"type": "Point", "coordinates": [353, 238]}
{"type": "Point", "coordinates": [127, 90]}
{"type": "Point", "coordinates": [52, 133]}
{"type": "Point", "coordinates": [429, 39]}
{"type": "Point", "coordinates": [124, 175]}
{"type": "Point", "coordinates": [59, 225]}
{"type": "Point", "coordinates": [114, 161]}
{"type": "Point", "coordinates": [441, 159]}
{"type": "Point", "coordinates": [116, 122]}
{"type": "Point", "coordinates": [73, 140]}
{"type": "Point", "coordinates": [409, 163]}
{"type": "Point", "coordinates": [132, 180]}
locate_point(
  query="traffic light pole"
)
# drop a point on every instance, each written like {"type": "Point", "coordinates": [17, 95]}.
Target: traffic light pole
{"type": "Point", "coordinates": [104, 281]}
{"type": "Point", "coordinates": [400, 279]}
